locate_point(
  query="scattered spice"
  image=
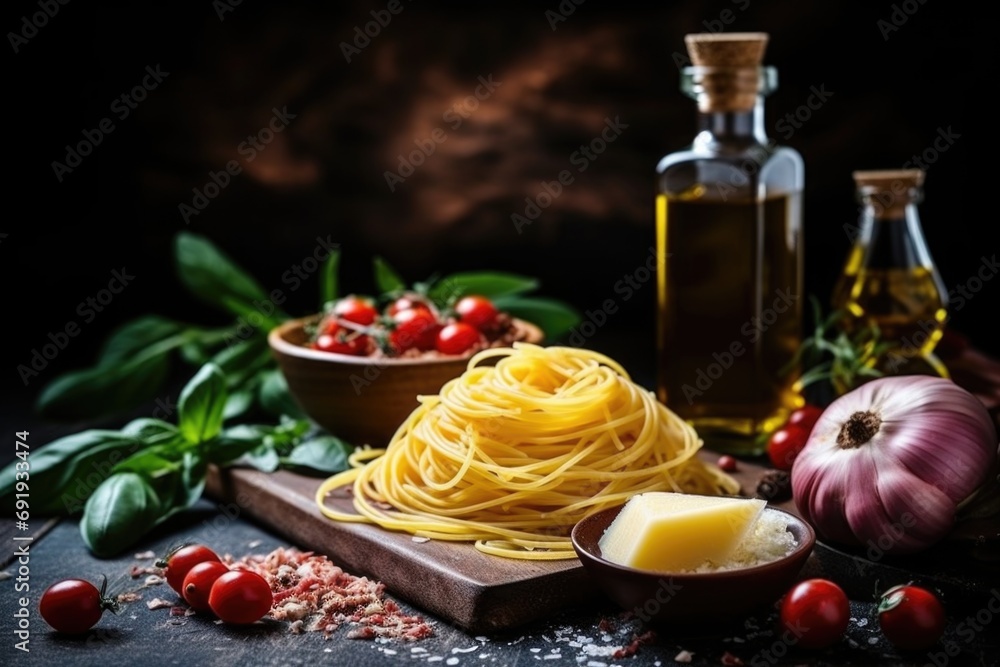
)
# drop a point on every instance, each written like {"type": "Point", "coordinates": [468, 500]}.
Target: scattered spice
{"type": "Point", "coordinates": [730, 659]}
{"type": "Point", "coordinates": [775, 486]}
{"type": "Point", "coordinates": [684, 656]}
{"type": "Point", "coordinates": [633, 646]}
{"type": "Point", "coordinates": [145, 555]}
{"type": "Point", "coordinates": [125, 598]}
{"type": "Point", "coordinates": [727, 463]}
{"type": "Point", "coordinates": [308, 587]}
{"type": "Point", "coordinates": [159, 603]}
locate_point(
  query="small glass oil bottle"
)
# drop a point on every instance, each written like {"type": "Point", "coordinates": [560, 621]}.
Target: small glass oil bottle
{"type": "Point", "coordinates": [889, 279]}
{"type": "Point", "coordinates": [729, 243]}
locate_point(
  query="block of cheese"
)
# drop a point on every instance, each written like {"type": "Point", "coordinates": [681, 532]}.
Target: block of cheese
{"type": "Point", "coordinates": [677, 532]}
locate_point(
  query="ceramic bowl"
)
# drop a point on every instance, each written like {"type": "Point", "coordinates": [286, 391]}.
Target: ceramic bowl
{"type": "Point", "coordinates": [690, 599]}
{"type": "Point", "coordinates": [360, 399]}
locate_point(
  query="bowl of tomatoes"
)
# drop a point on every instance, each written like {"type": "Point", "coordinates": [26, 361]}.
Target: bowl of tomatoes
{"type": "Point", "coordinates": [358, 368]}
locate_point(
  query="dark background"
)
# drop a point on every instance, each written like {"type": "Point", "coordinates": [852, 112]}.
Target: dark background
{"type": "Point", "coordinates": [892, 92]}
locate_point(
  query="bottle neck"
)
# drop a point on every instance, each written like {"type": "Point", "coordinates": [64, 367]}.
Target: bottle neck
{"type": "Point", "coordinates": [731, 127]}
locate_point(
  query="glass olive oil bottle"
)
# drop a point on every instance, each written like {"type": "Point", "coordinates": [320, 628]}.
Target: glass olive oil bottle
{"type": "Point", "coordinates": [889, 278]}
{"type": "Point", "coordinates": [729, 243]}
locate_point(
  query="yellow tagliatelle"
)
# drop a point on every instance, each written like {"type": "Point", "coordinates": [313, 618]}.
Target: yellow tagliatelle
{"type": "Point", "coordinates": [510, 455]}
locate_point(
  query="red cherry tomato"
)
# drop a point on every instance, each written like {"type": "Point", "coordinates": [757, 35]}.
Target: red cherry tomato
{"type": "Point", "coordinates": [73, 606]}
{"type": "Point", "coordinates": [414, 328]}
{"type": "Point", "coordinates": [477, 311]}
{"type": "Point", "coordinates": [815, 613]}
{"type": "Point", "coordinates": [356, 309]}
{"type": "Point", "coordinates": [408, 302]}
{"type": "Point", "coordinates": [785, 444]}
{"type": "Point", "coordinates": [240, 596]}
{"type": "Point", "coordinates": [806, 416]}
{"type": "Point", "coordinates": [911, 617]}
{"type": "Point", "coordinates": [198, 583]}
{"type": "Point", "coordinates": [457, 338]}
{"type": "Point", "coordinates": [342, 341]}
{"type": "Point", "coordinates": [179, 562]}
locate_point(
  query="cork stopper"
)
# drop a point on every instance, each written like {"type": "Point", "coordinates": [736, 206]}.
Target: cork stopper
{"type": "Point", "coordinates": [889, 190]}
{"type": "Point", "coordinates": [727, 69]}
{"type": "Point", "coordinates": [734, 49]}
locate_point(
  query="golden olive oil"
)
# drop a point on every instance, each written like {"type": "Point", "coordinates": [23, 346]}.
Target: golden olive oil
{"type": "Point", "coordinates": [729, 312]}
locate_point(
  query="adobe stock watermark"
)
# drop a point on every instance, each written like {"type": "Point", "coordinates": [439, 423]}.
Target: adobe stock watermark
{"type": "Point", "coordinates": [223, 7]}
{"type": "Point", "coordinates": [786, 126]}
{"type": "Point", "coordinates": [31, 24]}
{"type": "Point", "coordinates": [883, 201]}
{"type": "Point", "coordinates": [900, 14]}
{"type": "Point", "coordinates": [957, 298]}
{"type": "Point", "coordinates": [363, 36]}
{"type": "Point", "coordinates": [562, 12]}
{"type": "Point", "coordinates": [121, 108]}
{"type": "Point", "coordinates": [726, 17]}
{"type": "Point", "coordinates": [625, 288]}
{"type": "Point", "coordinates": [752, 330]}
{"type": "Point", "coordinates": [666, 591]}
{"type": "Point", "coordinates": [247, 325]}
{"type": "Point", "coordinates": [455, 116]}
{"type": "Point", "coordinates": [59, 340]}
{"type": "Point", "coordinates": [581, 158]}
{"type": "Point", "coordinates": [249, 148]}
{"type": "Point", "coordinates": [966, 630]}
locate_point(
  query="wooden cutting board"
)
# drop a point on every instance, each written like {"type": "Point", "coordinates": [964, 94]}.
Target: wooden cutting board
{"type": "Point", "coordinates": [477, 592]}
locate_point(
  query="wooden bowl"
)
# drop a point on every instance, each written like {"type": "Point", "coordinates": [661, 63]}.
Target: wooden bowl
{"type": "Point", "coordinates": [360, 399]}
{"type": "Point", "coordinates": [691, 599]}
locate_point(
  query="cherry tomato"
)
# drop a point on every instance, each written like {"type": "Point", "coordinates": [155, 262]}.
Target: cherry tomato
{"type": "Point", "coordinates": [806, 416]}
{"type": "Point", "coordinates": [911, 617]}
{"type": "Point", "coordinates": [477, 311]}
{"type": "Point", "coordinates": [785, 444]}
{"type": "Point", "coordinates": [179, 562]}
{"type": "Point", "coordinates": [408, 302]}
{"type": "Point", "coordinates": [342, 341]}
{"type": "Point", "coordinates": [414, 328]}
{"type": "Point", "coordinates": [457, 338]}
{"type": "Point", "coordinates": [198, 583]}
{"type": "Point", "coordinates": [356, 309]}
{"type": "Point", "coordinates": [815, 612]}
{"type": "Point", "coordinates": [240, 596]}
{"type": "Point", "coordinates": [74, 606]}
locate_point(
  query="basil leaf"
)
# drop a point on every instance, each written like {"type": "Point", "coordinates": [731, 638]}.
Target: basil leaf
{"type": "Point", "coordinates": [159, 459]}
{"type": "Point", "coordinates": [69, 469]}
{"type": "Point", "coordinates": [201, 404]}
{"type": "Point", "coordinates": [241, 362]}
{"type": "Point", "coordinates": [234, 442]}
{"type": "Point", "coordinates": [106, 390]}
{"type": "Point", "coordinates": [148, 427]}
{"type": "Point", "coordinates": [489, 284]}
{"type": "Point", "coordinates": [135, 336]}
{"type": "Point", "coordinates": [323, 454]}
{"type": "Point", "coordinates": [214, 278]}
{"type": "Point", "coordinates": [386, 278]}
{"type": "Point", "coordinates": [239, 402]}
{"type": "Point", "coordinates": [263, 458]}
{"type": "Point", "coordinates": [329, 282]}
{"type": "Point", "coordinates": [275, 398]}
{"type": "Point", "coordinates": [188, 483]}
{"type": "Point", "coordinates": [119, 512]}
{"type": "Point", "coordinates": [553, 317]}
